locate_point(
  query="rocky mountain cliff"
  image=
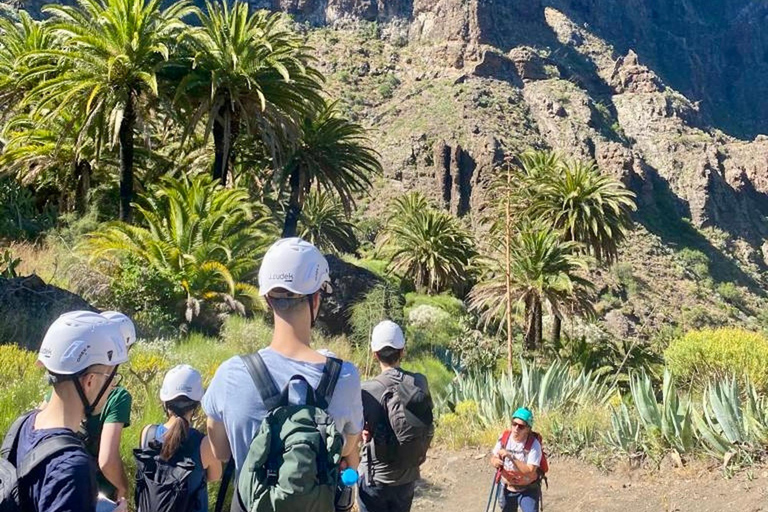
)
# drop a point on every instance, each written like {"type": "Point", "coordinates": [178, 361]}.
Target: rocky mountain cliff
{"type": "Point", "coordinates": [655, 91]}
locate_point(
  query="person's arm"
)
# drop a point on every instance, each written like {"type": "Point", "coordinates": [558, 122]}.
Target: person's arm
{"type": "Point", "coordinates": [211, 464]}
{"type": "Point", "coordinates": [217, 435]}
{"type": "Point", "coordinates": [497, 457]}
{"type": "Point", "coordinates": [110, 463]}
{"type": "Point", "coordinates": [351, 451]}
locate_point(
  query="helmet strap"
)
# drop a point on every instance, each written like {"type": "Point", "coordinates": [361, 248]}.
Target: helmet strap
{"type": "Point", "coordinates": [89, 407]}
{"type": "Point", "coordinates": [311, 299]}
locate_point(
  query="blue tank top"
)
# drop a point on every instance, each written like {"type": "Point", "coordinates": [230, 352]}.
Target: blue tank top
{"type": "Point", "coordinates": [191, 449]}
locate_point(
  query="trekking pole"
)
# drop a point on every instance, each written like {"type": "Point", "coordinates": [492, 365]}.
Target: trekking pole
{"type": "Point", "coordinates": [490, 494]}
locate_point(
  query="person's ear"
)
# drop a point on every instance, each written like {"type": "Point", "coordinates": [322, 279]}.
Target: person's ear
{"type": "Point", "coordinates": [316, 301]}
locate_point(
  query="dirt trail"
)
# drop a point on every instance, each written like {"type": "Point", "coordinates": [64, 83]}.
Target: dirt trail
{"type": "Point", "coordinates": [460, 481]}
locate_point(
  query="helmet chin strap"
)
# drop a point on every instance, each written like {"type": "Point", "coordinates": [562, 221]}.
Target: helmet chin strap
{"type": "Point", "coordinates": [89, 407]}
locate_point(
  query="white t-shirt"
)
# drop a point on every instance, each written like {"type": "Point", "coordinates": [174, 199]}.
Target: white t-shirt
{"type": "Point", "coordinates": [517, 451]}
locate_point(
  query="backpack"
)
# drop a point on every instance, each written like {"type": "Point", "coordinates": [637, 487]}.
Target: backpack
{"type": "Point", "coordinates": [10, 475]}
{"type": "Point", "coordinates": [404, 441]}
{"type": "Point", "coordinates": [164, 486]}
{"type": "Point", "coordinates": [293, 462]}
{"type": "Point", "coordinates": [544, 465]}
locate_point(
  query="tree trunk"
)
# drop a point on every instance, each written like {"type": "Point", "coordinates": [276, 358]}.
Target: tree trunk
{"type": "Point", "coordinates": [507, 250]}
{"type": "Point", "coordinates": [532, 322]}
{"type": "Point", "coordinates": [294, 205]}
{"type": "Point", "coordinates": [557, 328]}
{"type": "Point", "coordinates": [222, 143]}
{"type": "Point", "coordinates": [126, 159]}
{"type": "Point", "coordinates": [83, 186]}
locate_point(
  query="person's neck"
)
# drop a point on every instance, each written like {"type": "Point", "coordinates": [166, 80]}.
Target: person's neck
{"type": "Point", "coordinates": [385, 367]}
{"type": "Point", "coordinates": [290, 338]}
{"type": "Point", "coordinates": [61, 412]}
{"type": "Point", "coordinates": [521, 438]}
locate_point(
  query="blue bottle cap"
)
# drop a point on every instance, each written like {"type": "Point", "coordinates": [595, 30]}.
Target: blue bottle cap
{"type": "Point", "coordinates": [349, 477]}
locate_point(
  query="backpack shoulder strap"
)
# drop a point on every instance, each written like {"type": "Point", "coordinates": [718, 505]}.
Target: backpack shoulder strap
{"type": "Point", "coordinates": [534, 436]}
{"type": "Point", "coordinates": [328, 381]}
{"type": "Point", "coordinates": [504, 439]}
{"type": "Point", "coordinates": [12, 436]}
{"type": "Point", "coordinates": [45, 450]}
{"type": "Point", "coordinates": [258, 371]}
{"type": "Point", "coordinates": [150, 436]}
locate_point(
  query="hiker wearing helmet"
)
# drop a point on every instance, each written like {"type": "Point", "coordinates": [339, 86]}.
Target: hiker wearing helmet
{"type": "Point", "coordinates": [397, 410]}
{"type": "Point", "coordinates": [518, 456]}
{"type": "Point", "coordinates": [81, 356]}
{"type": "Point", "coordinates": [179, 445]}
{"type": "Point", "coordinates": [292, 278]}
{"type": "Point", "coordinates": [105, 429]}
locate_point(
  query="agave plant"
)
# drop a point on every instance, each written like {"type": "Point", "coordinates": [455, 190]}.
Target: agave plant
{"type": "Point", "coordinates": [672, 418]}
{"type": "Point", "coordinates": [546, 389]}
{"type": "Point", "coordinates": [731, 422]}
{"type": "Point", "coordinates": [626, 431]}
{"type": "Point", "coordinates": [204, 239]}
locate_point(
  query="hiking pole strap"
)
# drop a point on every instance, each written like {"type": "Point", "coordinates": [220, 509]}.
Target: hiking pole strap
{"type": "Point", "coordinates": [229, 470]}
{"type": "Point", "coordinates": [327, 385]}
{"type": "Point", "coordinates": [259, 373]}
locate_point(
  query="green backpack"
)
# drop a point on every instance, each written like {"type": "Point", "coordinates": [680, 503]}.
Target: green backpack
{"type": "Point", "coordinates": [293, 462]}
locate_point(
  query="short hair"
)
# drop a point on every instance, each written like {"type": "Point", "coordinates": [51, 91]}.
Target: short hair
{"type": "Point", "coordinates": [286, 304]}
{"type": "Point", "coordinates": [389, 355]}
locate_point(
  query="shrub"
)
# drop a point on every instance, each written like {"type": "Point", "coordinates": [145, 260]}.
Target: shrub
{"type": "Point", "coordinates": [447, 303]}
{"type": "Point", "coordinates": [425, 316]}
{"type": "Point", "coordinates": [19, 215]}
{"type": "Point", "coordinates": [730, 293]}
{"type": "Point", "coordinates": [383, 302]}
{"type": "Point", "coordinates": [436, 373]}
{"type": "Point", "coordinates": [695, 261]}
{"type": "Point", "coordinates": [17, 364]}
{"type": "Point", "coordinates": [716, 353]}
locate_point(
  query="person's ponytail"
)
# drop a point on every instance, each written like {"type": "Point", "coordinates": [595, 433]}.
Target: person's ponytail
{"type": "Point", "coordinates": [174, 437]}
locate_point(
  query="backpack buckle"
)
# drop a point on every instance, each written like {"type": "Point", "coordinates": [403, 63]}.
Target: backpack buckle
{"type": "Point", "coordinates": [271, 477]}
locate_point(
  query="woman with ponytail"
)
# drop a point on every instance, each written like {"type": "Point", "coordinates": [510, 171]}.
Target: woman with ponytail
{"type": "Point", "coordinates": [177, 442]}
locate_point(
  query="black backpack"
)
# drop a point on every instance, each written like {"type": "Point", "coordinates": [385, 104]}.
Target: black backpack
{"type": "Point", "coordinates": [163, 486]}
{"type": "Point", "coordinates": [404, 441]}
{"type": "Point", "coordinates": [10, 475]}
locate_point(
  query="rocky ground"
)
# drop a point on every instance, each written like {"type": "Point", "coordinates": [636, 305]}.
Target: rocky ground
{"type": "Point", "coordinates": [460, 481]}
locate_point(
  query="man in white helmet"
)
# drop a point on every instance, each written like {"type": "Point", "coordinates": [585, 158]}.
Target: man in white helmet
{"type": "Point", "coordinates": [81, 355]}
{"type": "Point", "coordinates": [292, 278]}
{"type": "Point", "coordinates": [104, 429]}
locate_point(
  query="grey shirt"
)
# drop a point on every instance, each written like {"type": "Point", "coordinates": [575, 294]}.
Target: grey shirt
{"type": "Point", "coordinates": [375, 417]}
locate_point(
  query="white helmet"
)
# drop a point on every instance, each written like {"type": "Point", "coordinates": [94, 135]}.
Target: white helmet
{"type": "Point", "coordinates": [125, 324]}
{"type": "Point", "coordinates": [78, 340]}
{"type": "Point", "coordinates": [182, 380]}
{"type": "Point", "coordinates": [294, 265]}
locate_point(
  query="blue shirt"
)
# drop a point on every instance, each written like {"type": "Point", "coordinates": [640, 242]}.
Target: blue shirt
{"type": "Point", "coordinates": [232, 397]}
{"type": "Point", "coordinates": [67, 483]}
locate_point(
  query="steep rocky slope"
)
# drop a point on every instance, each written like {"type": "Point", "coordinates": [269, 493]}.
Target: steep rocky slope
{"type": "Point", "coordinates": [650, 89]}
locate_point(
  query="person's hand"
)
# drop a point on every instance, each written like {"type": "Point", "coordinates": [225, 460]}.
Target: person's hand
{"type": "Point", "coordinates": [503, 454]}
{"type": "Point", "coordinates": [366, 435]}
{"type": "Point", "coordinates": [497, 463]}
{"type": "Point", "coordinates": [122, 505]}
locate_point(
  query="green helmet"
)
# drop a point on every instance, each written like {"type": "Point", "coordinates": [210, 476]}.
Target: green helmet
{"type": "Point", "coordinates": [525, 414]}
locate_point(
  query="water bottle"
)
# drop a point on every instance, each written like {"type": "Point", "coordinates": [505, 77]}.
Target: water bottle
{"type": "Point", "coordinates": [345, 495]}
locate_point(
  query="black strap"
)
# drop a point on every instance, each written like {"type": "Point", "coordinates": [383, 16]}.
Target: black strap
{"type": "Point", "coordinates": [266, 387]}
{"type": "Point", "coordinates": [331, 373]}
{"type": "Point", "coordinates": [45, 450]}
{"type": "Point", "coordinates": [229, 470]}
{"type": "Point", "coordinates": [11, 440]}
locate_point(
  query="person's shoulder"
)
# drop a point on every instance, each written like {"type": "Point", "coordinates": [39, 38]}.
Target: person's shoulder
{"type": "Point", "coordinates": [69, 463]}
{"type": "Point", "coordinates": [119, 395]}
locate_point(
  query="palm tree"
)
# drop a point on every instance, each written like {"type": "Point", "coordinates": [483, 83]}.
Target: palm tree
{"type": "Point", "coordinates": [248, 72]}
{"type": "Point", "coordinates": [20, 39]}
{"type": "Point", "coordinates": [542, 268]}
{"type": "Point", "coordinates": [205, 240]}
{"type": "Point", "coordinates": [333, 153]}
{"type": "Point", "coordinates": [111, 52]}
{"type": "Point", "coordinates": [587, 206]}
{"type": "Point", "coordinates": [46, 151]}
{"type": "Point", "coordinates": [324, 224]}
{"type": "Point", "coordinates": [427, 244]}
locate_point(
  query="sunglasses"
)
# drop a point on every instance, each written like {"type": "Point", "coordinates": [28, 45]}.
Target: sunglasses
{"type": "Point", "coordinates": [519, 425]}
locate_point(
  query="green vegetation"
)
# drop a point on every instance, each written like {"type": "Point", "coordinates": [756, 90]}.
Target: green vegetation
{"type": "Point", "coordinates": [717, 353]}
